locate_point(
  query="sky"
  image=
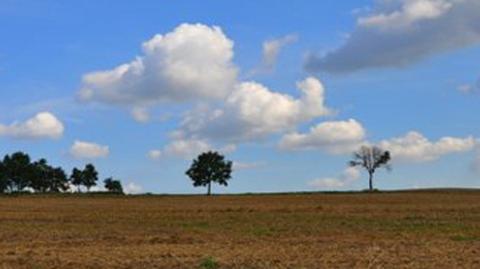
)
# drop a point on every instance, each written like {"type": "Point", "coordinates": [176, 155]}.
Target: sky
{"type": "Point", "coordinates": [287, 91]}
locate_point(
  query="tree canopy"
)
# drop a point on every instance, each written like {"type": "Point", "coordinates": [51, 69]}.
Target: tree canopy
{"type": "Point", "coordinates": [18, 173]}
{"type": "Point", "coordinates": [90, 176]}
{"type": "Point", "coordinates": [210, 167]}
{"type": "Point", "coordinates": [113, 185]}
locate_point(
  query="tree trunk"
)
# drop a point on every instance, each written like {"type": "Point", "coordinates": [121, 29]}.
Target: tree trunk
{"type": "Point", "coordinates": [209, 188]}
{"type": "Point", "coordinates": [370, 181]}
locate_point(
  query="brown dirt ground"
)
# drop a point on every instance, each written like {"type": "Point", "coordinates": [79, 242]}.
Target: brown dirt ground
{"type": "Point", "coordinates": [385, 230]}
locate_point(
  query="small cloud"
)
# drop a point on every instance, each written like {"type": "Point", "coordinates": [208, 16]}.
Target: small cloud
{"type": "Point", "coordinates": [154, 154]}
{"type": "Point", "coordinates": [188, 149]}
{"type": "Point", "coordinates": [361, 11]}
{"type": "Point", "coordinates": [336, 137]}
{"type": "Point", "coordinates": [469, 88]}
{"type": "Point", "coordinates": [465, 88]}
{"type": "Point", "coordinates": [43, 125]}
{"type": "Point", "coordinates": [228, 149]}
{"type": "Point", "coordinates": [88, 150]}
{"type": "Point", "coordinates": [140, 114]}
{"type": "Point", "coordinates": [247, 166]}
{"type": "Point", "coordinates": [326, 183]}
{"type": "Point", "coordinates": [348, 176]}
{"type": "Point", "coordinates": [133, 188]}
{"type": "Point", "coordinates": [271, 50]}
{"type": "Point", "coordinates": [98, 188]}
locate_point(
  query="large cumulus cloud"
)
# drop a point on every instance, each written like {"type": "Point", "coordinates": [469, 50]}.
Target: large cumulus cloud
{"type": "Point", "coordinates": [253, 111]}
{"type": "Point", "coordinates": [402, 32]}
{"type": "Point", "coordinates": [193, 61]}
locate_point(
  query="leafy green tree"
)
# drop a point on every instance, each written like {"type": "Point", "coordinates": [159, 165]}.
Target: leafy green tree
{"type": "Point", "coordinates": [112, 185]}
{"type": "Point", "coordinates": [87, 177]}
{"type": "Point", "coordinates": [3, 178]}
{"type": "Point", "coordinates": [90, 176]}
{"type": "Point", "coordinates": [58, 181]}
{"type": "Point", "coordinates": [18, 171]}
{"type": "Point", "coordinates": [76, 178]}
{"type": "Point", "coordinates": [210, 167]}
{"type": "Point", "coordinates": [40, 177]}
{"type": "Point", "coordinates": [46, 178]}
{"type": "Point", "coordinates": [371, 158]}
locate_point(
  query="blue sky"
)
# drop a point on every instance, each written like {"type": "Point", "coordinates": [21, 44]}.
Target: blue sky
{"type": "Point", "coordinates": [286, 90]}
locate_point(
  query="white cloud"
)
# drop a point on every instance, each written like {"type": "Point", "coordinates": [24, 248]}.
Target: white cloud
{"type": "Point", "coordinates": [253, 111]}
{"type": "Point", "coordinates": [154, 154]}
{"type": "Point", "coordinates": [43, 125]}
{"type": "Point", "coordinates": [326, 183]}
{"type": "Point", "coordinates": [194, 61]}
{"type": "Point", "coordinates": [98, 188]}
{"type": "Point", "coordinates": [336, 137]}
{"type": "Point", "coordinates": [465, 88]}
{"type": "Point", "coordinates": [140, 114]}
{"type": "Point", "coordinates": [414, 147]}
{"type": "Point", "coordinates": [348, 176]}
{"type": "Point", "coordinates": [132, 188]}
{"type": "Point", "coordinates": [229, 148]}
{"type": "Point", "coordinates": [88, 150]}
{"type": "Point", "coordinates": [470, 88]}
{"type": "Point", "coordinates": [270, 51]}
{"type": "Point", "coordinates": [188, 149]}
{"type": "Point", "coordinates": [410, 12]}
{"type": "Point", "coordinates": [247, 165]}
{"type": "Point", "coordinates": [344, 137]}
{"type": "Point", "coordinates": [402, 32]}
{"type": "Point", "coordinates": [194, 64]}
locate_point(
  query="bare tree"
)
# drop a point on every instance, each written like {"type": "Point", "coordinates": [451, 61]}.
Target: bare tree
{"type": "Point", "coordinates": [371, 158]}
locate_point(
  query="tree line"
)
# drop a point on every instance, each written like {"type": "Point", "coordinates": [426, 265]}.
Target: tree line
{"type": "Point", "coordinates": [19, 173]}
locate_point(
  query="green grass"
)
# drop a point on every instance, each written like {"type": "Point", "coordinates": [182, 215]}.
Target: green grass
{"type": "Point", "coordinates": [464, 238]}
{"type": "Point", "coordinates": [209, 263]}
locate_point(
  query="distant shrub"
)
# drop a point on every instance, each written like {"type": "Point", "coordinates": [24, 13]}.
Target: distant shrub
{"type": "Point", "coordinates": [209, 263]}
{"type": "Point", "coordinates": [113, 186]}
